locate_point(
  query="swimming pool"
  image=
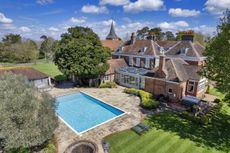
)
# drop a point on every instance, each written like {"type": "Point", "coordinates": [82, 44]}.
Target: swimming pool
{"type": "Point", "coordinates": [82, 112]}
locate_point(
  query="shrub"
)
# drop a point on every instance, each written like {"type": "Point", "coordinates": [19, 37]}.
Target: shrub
{"type": "Point", "coordinates": [131, 91]}
{"type": "Point", "coordinates": [217, 100]}
{"type": "Point", "coordinates": [30, 120]}
{"type": "Point", "coordinates": [205, 119]}
{"type": "Point", "coordinates": [18, 150]}
{"type": "Point", "coordinates": [51, 146]}
{"type": "Point", "coordinates": [108, 85]}
{"type": "Point", "coordinates": [147, 100]}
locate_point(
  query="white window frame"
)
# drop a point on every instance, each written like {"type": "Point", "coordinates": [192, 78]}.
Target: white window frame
{"type": "Point", "coordinates": [138, 62]}
{"type": "Point", "coordinates": [147, 62]}
{"type": "Point", "coordinates": [189, 84]}
{"type": "Point", "coordinates": [130, 60]}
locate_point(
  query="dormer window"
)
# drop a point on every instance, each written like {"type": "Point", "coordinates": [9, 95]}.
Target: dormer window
{"type": "Point", "coordinates": [143, 50]}
{"type": "Point", "coordinates": [120, 49]}
{"type": "Point", "coordinates": [184, 51]}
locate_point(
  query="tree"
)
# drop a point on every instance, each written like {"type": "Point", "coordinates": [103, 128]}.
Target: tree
{"type": "Point", "coordinates": [169, 35]}
{"type": "Point", "coordinates": [158, 32]}
{"type": "Point", "coordinates": [80, 53]}
{"type": "Point", "coordinates": [27, 116]}
{"type": "Point", "coordinates": [199, 37]}
{"type": "Point", "coordinates": [12, 38]}
{"type": "Point", "coordinates": [142, 32]}
{"type": "Point", "coordinates": [218, 56]}
{"type": "Point", "coordinates": [47, 48]}
{"type": "Point", "coordinates": [44, 37]}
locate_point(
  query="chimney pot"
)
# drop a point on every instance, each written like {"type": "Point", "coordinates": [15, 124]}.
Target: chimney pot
{"type": "Point", "coordinates": [133, 38]}
{"type": "Point", "coordinates": [187, 36]}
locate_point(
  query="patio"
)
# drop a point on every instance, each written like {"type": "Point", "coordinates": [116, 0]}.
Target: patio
{"type": "Point", "coordinates": [115, 97]}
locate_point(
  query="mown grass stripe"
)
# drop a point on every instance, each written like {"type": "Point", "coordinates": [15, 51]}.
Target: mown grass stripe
{"type": "Point", "coordinates": [149, 148]}
{"type": "Point", "coordinates": [172, 140]}
{"type": "Point", "coordinates": [145, 139]}
{"type": "Point", "coordinates": [189, 148]}
{"type": "Point", "coordinates": [126, 139]}
{"type": "Point", "coordinates": [181, 147]}
{"type": "Point", "coordinates": [162, 143]}
{"type": "Point", "coordinates": [173, 146]}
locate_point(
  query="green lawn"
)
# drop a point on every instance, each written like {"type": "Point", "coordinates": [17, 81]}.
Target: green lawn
{"type": "Point", "coordinates": [220, 95]}
{"type": "Point", "coordinates": [172, 134]}
{"type": "Point", "coordinates": [49, 69]}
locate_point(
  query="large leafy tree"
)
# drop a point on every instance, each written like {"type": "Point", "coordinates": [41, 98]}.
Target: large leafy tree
{"type": "Point", "coordinates": [169, 35]}
{"type": "Point", "coordinates": [12, 38]}
{"type": "Point", "coordinates": [142, 32]}
{"type": "Point", "coordinates": [80, 53]}
{"type": "Point", "coordinates": [158, 32]}
{"type": "Point", "coordinates": [218, 56]}
{"type": "Point", "coordinates": [24, 51]}
{"type": "Point", "coordinates": [27, 116]}
{"type": "Point", "coordinates": [47, 48]}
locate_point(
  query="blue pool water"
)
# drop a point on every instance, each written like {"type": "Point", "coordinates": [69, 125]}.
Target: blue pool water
{"type": "Point", "coordinates": [82, 112]}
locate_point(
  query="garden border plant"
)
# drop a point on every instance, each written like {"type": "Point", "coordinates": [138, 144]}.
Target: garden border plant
{"type": "Point", "coordinates": [205, 119]}
{"type": "Point", "coordinates": [147, 99]}
{"type": "Point", "coordinates": [108, 85]}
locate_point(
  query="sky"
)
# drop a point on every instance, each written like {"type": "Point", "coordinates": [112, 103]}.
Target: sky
{"type": "Point", "coordinates": [33, 18]}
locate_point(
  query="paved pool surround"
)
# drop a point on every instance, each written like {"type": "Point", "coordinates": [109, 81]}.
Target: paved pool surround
{"type": "Point", "coordinates": [115, 97]}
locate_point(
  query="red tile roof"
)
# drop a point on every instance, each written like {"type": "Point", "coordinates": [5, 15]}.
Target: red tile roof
{"type": "Point", "coordinates": [112, 44]}
{"type": "Point", "coordinates": [30, 73]}
{"type": "Point", "coordinates": [115, 64]}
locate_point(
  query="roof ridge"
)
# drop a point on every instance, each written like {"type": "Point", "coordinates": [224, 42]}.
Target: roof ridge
{"type": "Point", "coordinates": [194, 49]}
{"type": "Point", "coordinates": [172, 60]}
{"type": "Point", "coordinates": [154, 49]}
{"type": "Point", "coordinates": [173, 46]}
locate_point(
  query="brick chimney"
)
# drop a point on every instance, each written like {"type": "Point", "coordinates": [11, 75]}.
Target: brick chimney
{"type": "Point", "coordinates": [187, 36]}
{"type": "Point", "coordinates": [133, 38]}
{"type": "Point", "coordinates": [162, 72]}
{"type": "Point", "coordinates": [151, 36]}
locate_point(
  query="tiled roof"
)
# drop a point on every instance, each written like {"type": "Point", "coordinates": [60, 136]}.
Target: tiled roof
{"type": "Point", "coordinates": [30, 73]}
{"type": "Point", "coordinates": [112, 44]}
{"type": "Point", "coordinates": [137, 48]}
{"type": "Point", "coordinates": [179, 71]}
{"type": "Point", "coordinates": [171, 48]}
{"type": "Point", "coordinates": [194, 49]}
{"type": "Point", "coordinates": [115, 64]}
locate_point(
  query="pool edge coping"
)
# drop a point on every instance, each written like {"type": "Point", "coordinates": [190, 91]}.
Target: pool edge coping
{"type": "Point", "coordinates": [80, 133]}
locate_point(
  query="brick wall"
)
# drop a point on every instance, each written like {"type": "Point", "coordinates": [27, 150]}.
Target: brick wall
{"type": "Point", "coordinates": [157, 87]}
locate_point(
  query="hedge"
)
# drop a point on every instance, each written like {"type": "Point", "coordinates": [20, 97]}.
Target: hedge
{"type": "Point", "coordinates": [147, 100]}
{"type": "Point", "coordinates": [108, 85]}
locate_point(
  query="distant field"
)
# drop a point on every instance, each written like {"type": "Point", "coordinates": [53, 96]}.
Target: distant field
{"type": "Point", "coordinates": [172, 134]}
{"type": "Point", "coordinates": [49, 69]}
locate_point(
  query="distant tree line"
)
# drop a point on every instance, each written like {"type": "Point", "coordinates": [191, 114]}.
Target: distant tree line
{"type": "Point", "coordinates": [168, 35]}
{"type": "Point", "coordinates": [14, 49]}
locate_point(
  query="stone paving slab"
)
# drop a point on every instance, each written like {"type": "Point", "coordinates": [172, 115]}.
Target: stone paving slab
{"type": "Point", "coordinates": [115, 97]}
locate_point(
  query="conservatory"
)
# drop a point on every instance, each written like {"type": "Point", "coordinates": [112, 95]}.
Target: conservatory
{"type": "Point", "coordinates": [131, 77]}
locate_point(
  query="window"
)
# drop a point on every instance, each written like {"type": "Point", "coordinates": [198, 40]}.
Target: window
{"type": "Point", "coordinates": [106, 77]}
{"type": "Point", "coordinates": [191, 86]}
{"type": "Point", "coordinates": [170, 91]}
{"type": "Point", "coordinates": [201, 85]}
{"type": "Point", "coordinates": [130, 61]}
{"type": "Point", "coordinates": [138, 62]}
{"type": "Point", "coordinates": [147, 62]}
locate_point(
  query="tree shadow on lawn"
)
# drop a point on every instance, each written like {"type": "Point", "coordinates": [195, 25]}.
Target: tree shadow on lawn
{"type": "Point", "coordinates": [216, 134]}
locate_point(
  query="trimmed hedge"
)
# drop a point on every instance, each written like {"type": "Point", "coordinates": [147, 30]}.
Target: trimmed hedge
{"type": "Point", "coordinates": [108, 85]}
{"type": "Point", "coordinates": [205, 119]}
{"type": "Point", "coordinates": [147, 100]}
